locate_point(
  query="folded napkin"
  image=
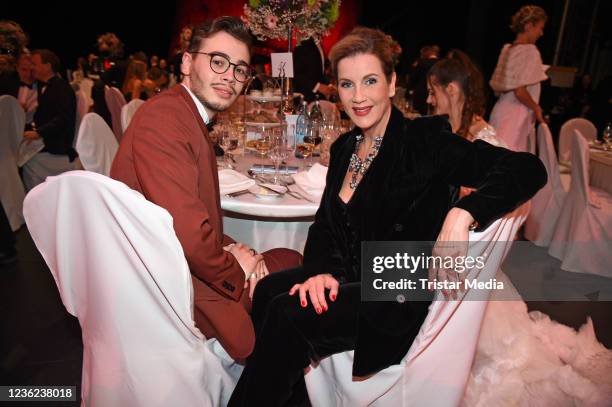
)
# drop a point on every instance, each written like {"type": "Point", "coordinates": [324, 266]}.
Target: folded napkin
{"type": "Point", "coordinates": [231, 181]}
{"type": "Point", "coordinates": [312, 181]}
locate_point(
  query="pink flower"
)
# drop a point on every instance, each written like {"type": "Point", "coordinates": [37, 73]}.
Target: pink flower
{"type": "Point", "coordinates": [271, 21]}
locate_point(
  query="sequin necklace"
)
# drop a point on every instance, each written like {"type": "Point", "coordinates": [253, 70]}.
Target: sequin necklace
{"type": "Point", "coordinates": [356, 165]}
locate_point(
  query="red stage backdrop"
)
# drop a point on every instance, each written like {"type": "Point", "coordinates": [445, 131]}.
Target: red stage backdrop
{"type": "Point", "coordinates": [197, 11]}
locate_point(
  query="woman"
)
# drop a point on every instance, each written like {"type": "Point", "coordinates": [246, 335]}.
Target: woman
{"type": "Point", "coordinates": [536, 346]}
{"type": "Point", "coordinates": [456, 88]}
{"type": "Point", "coordinates": [388, 179]}
{"type": "Point", "coordinates": [134, 83]}
{"type": "Point", "coordinates": [517, 78]}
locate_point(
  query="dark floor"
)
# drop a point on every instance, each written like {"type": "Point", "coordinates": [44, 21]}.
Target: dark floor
{"type": "Point", "coordinates": [40, 343]}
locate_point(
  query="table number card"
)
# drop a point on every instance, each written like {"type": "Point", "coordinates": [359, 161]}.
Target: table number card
{"type": "Point", "coordinates": [282, 62]}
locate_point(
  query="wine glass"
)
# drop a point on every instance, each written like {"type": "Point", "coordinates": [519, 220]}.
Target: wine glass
{"type": "Point", "coordinates": [263, 144]}
{"type": "Point", "coordinates": [279, 151]}
{"type": "Point", "coordinates": [607, 135]}
{"type": "Point", "coordinates": [228, 142]}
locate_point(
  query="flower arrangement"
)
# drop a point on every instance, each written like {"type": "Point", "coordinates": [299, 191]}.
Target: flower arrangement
{"type": "Point", "coordinates": [272, 19]}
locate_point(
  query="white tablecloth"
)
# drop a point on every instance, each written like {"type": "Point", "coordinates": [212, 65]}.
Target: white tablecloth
{"type": "Point", "coordinates": [267, 223]}
{"type": "Point", "coordinates": [600, 170]}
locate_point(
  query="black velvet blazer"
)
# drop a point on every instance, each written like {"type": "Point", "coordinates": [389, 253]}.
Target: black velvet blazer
{"type": "Point", "coordinates": [405, 196]}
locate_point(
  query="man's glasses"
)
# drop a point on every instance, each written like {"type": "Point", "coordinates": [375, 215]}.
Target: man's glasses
{"type": "Point", "coordinates": [220, 64]}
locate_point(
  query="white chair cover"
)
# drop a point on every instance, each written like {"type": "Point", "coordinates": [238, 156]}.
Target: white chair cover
{"type": "Point", "coordinates": [12, 122]}
{"type": "Point", "coordinates": [121, 271]}
{"type": "Point", "coordinates": [81, 110]}
{"type": "Point", "coordinates": [433, 373]}
{"type": "Point", "coordinates": [128, 111]}
{"type": "Point", "coordinates": [582, 239]}
{"type": "Point", "coordinates": [531, 141]}
{"type": "Point", "coordinates": [586, 128]}
{"type": "Point", "coordinates": [115, 101]}
{"type": "Point", "coordinates": [547, 203]}
{"type": "Point", "coordinates": [96, 144]}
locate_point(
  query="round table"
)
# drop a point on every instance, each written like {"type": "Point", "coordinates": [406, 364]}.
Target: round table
{"type": "Point", "coordinates": [600, 170]}
{"type": "Point", "coordinates": [268, 223]}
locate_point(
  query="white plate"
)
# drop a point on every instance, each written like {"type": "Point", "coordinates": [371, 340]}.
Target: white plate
{"type": "Point", "coordinates": [256, 124]}
{"type": "Point", "coordinates": [263, 193]}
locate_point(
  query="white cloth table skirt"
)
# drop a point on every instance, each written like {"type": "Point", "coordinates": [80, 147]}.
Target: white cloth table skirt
{"type": "Point", "coordinates": [267, 223]}
{"type": "Point", "coordinates": [600, 170]}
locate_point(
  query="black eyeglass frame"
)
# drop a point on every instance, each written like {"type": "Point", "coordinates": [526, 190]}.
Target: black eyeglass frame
{"type": "Point", "coordinates": [229, 64]}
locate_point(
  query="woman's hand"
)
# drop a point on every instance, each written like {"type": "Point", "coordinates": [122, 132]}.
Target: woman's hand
{"type": "Point", "coordinates": [315, 287]}
{"type": "Point", "coordinates": [452, 242]}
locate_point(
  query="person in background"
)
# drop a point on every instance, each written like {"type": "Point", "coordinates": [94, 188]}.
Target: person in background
{"type": "Point", "coordinates": [308, 67]}
{"type": "Point", "coordinates": [456, 89]}
{"type": "Point", "coordinates": [517, 78]}
{"type": "Point", "coordinates": [28, 89]}
{"type": "Point", "coordinates": [183, 44]}
{"type": "Point", "coordinates": [133, 85]}
{"type": "Point", "coordinates": [167, 155]}
{"type": "Point", "coordinates": [389, 179]}
{"type": "Point", "coordinates": [113, 70]}
{"type": "Point", "coordinates": [54, 121]}
{"type": "Point", "coordinates": [428, 56]}
{"type": "Point", "coordinates": [13, 42]}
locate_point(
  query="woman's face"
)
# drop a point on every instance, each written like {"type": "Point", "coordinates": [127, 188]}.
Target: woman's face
{"type": "Point", "coordinates": [438, 98]}
{"type": "Point", "coordinates": [365, 92]}
{"type": "Point", "coordinates": [534, 31]}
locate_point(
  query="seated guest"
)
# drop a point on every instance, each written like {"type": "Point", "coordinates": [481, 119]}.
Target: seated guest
{"type": "Point", "coordinates": [113, 70]}
{"type": "Point", "coordinates": [168, 156]}
{"type": "Point", "coordinates": [13, 42]}
{"type": "Point", "coordinates": [28, 89]}
{"type": "Point", "coordinates": [389, 179]}
{"type": "Point", "coordinates": [456, 89]}
{"type": "Point", "coordinates": [54, 121]}
{"type": "Point", "coordinates": [133, 85]}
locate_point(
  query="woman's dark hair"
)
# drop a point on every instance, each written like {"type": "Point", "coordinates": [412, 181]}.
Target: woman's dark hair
{"type": "Point", "coordinates": [367, 41]}
{"type": "Point", "coordinates": [458, 67]}
{"type": "Point", "coordinates": [229, 24]}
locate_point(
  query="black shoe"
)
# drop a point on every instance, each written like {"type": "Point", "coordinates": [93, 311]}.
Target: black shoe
{"type": "Point", "coordinates": [8, 256]}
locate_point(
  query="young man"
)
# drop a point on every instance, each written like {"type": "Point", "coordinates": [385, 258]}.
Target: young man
{"type": "Point", "coordinates": [167, 155]}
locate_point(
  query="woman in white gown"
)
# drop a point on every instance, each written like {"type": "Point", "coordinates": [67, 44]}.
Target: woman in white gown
{"type": "Point", "coordinates": [517, 78]}
{"type": "Point", "coordinates": [521, 358]}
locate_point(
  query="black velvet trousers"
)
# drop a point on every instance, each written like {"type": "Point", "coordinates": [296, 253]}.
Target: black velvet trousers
{"type": "Point", "coordinates": [289, 336]}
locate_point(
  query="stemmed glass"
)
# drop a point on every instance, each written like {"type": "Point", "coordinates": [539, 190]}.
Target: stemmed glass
{"type": "Point", "coordinates": [279, 151]}
{"type": "Point", "coordinates": [607, 135]}
{"type": "Point", "coordinates": [228, 142]}
{"type": "Point", "coordinates": [263, 145]}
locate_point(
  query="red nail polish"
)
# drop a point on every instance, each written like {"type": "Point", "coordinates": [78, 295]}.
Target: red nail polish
{"type": "Point", "coordinates": [333, 297]}
{"type": "Point", "coordinates": [303, 303]}
{"type": "Point", "coordinates": [318, 310]}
